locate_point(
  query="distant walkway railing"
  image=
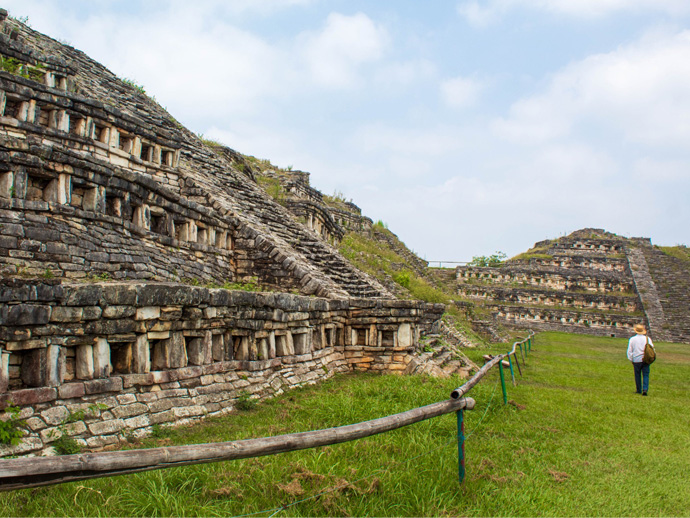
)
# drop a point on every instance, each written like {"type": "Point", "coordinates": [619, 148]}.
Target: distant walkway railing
{"type": "Point", "coordinates": [41, 471]}
{"type": "Point", "coordinates": [441, 263]}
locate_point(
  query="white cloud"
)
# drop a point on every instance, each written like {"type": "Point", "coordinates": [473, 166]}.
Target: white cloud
{"type": "Point", "coordinates": [435, 141]}
{"type": "Point", "coordinates": [404, 73]}
{"type": "Point", "coordinates": [334, 54]}
{"type": "Point", "coordinates": [641, 92]}
{"type": "Point", "coordinates": [481, 14]}
{"type": "Point", "coordinates": [461, 92]}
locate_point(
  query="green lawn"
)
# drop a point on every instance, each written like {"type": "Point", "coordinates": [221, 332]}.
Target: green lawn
{"type": "Point", "coordinates": [574, 441]}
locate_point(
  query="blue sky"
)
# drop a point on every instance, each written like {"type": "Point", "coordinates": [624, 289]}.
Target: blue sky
{"type": "Point", "coordinates": [467, 126]}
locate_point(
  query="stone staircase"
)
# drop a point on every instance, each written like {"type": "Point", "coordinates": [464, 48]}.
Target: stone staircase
{"type": "Point", "coordinates": [646, 289]}
{"type": "Point", "coordinates": [672, 279]}
{"type": "Point", "coordinates": [441, 354]}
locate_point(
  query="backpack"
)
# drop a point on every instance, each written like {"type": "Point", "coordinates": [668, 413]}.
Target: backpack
{"type": "Point", "coordinates": [649, 353]}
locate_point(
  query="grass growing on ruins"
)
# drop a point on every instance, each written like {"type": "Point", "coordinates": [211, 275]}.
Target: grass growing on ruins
{"type": "Point", "coordinates": [381, 261]}
{"type": "Point", "coordinates": [679, 252]}
{"type": "Point", "coordinates": [575, 440]}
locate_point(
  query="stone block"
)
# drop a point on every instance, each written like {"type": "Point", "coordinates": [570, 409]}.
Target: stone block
{"type": "Point", "coordinates": [92, 313]}
{"type": "Point", "coordinates": [84, 362]}
{"type": "Point", "coordinates": [71, 390]}
{"type": "Point", "coordinates": [137, 380]}
{"type": "Point", "coordinates": [190, 372]}
{"type": "Point", "coordinates": [117, 312]}
{"type": "Point", "coordinates": [84, 295]}
{"type": "Point", "coordinates": [139, 421]}
{"type": "Point", "coordinates": [166, 416]}
{"type": "Point", "coordinates": [106, 427]}
{"type": "Point", "coordinates": [103, 385]}
{"type": "Point", "coordinates": [27, 397]}
{"type": "Point", "coordinates": [120, 295]}
{"type": "Point", "coordinates": [129, 410]}
{"type": "Point", "coordinates": [141, 362]}
{"type": "Point", "coordinates": [218, 347]}
{"type": "Point", "coordinates": [28, 315]}
{"type": "Point", "coordinates": [55, 416]}
{"type": "Point", "coordinates": [35, 424]}
{"type": "Point", "coordinates": [126, 399]}
{"type": "Point", "coordinates": [147, 397]}
{"type": "Point", "coordinates": [189, 411]}
{"type": "Point", "coordinates": [4, 370]}
{"type": "Point", "coordinates": [405, 335]}
{"type": "Point", "coordinates": [23, 345]}
{"type": "Point", "coordinates": [66, 314]}
{"type": "Point", "coordinates": [148, 313]}
{"type": "Point", "coordinates": [55, 365]}
{"type": "Point", "coordinates": [101, 358]}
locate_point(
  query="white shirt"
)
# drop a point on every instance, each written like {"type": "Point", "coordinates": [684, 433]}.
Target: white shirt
{"type": "Point", "coordinates": [636, 347]}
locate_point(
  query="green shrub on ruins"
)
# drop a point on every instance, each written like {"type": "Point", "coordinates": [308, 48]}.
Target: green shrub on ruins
{"type": "Point", "coordinates": [402, 278]}
{"type": "Point", "coordinates": [493, 260]}
{"type": "Point", "coordinates": [134, 84]}
{"type": "Point", "coordinates": [273, 188]}
{"type": "Point", "coordinates": [10, 65]}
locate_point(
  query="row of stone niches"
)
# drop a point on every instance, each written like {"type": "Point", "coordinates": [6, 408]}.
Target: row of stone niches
{"type": "Point", "coordinates": [536, 278]}
{"type": "Point", "coordinates": [102, 133]}
{"type": "Point", "coordinates": [158, 351]}
{"type": "Point", "coordinates": [64, 189]}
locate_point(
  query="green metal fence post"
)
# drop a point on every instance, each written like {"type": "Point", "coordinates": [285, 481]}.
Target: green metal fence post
{"type": "Point", "coordinates": [517, 362]}
{"type": "Point", "coordinates": [523, 355]}
{"type": "Point", "coordinates": [503, 382]}
{"type": "Point", "coordinates": [512, 372]}
{"type": "Point", "coordinates": [461, 446]}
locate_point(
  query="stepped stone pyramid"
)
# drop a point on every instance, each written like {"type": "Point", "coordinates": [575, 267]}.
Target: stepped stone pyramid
{"type": "Point", "coordinates": [591, 281]}
{"type": "Point", "coordinates": [88, 155]}
{"type": "Point", "coordinates": [130, 256]}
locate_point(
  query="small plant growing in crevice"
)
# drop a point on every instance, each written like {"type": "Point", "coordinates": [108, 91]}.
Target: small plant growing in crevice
{"type": "Point", "coordinates": [11, 428]}
{"type": "Point", "coordinates": [66, 445]}
{"type": "Point", "coordinates": [245, 401]}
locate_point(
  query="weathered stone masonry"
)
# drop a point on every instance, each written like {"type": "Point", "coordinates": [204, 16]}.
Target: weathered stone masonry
{"type": "Point", "coordinates": [97, 181]}
{"type": "Point", "coordinates": [129, 356]}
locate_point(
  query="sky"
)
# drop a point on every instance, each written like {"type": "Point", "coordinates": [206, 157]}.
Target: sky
{"type": "Point", "coordinates": [467, 126]}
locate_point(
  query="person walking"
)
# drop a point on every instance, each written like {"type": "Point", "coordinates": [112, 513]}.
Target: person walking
{"type": "Point", "coordinates": [636, 346]}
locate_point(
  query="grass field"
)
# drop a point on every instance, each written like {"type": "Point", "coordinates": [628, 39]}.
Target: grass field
{"type": "Point", "coordinates": [574, 441]}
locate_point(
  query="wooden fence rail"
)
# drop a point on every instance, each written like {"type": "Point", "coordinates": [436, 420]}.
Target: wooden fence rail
{"type": "Point", "coordinates": [40, 471]}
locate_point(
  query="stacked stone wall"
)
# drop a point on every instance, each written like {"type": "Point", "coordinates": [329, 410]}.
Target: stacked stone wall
{"type": "Point", "coordinates": [128, 356]}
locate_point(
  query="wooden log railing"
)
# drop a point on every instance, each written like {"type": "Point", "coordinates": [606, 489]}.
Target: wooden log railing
{"type": "Point", "coordinates": [30, 472]}
{"type": "Point", "coordinates": [40, 471]}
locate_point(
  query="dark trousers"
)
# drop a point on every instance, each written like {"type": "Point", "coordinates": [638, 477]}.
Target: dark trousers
{"type": "Point", "coordinates": [641, 377]}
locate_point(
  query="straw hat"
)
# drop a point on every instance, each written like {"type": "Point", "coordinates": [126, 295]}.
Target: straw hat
{"type": "Point", "coordinates": [639, 329]}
